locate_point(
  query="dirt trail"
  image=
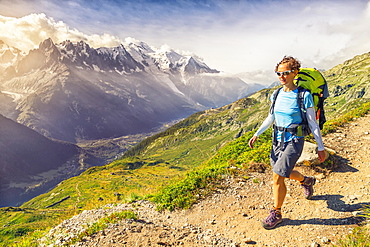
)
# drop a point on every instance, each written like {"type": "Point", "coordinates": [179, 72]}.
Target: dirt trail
{"type": "Point", "coordinates": [231, 217]}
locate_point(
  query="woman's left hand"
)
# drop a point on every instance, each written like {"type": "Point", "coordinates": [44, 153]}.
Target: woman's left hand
{"type": "Point", "coordinates": [252, 141]}
{"type": "Point", "coordinates": [322, 155]}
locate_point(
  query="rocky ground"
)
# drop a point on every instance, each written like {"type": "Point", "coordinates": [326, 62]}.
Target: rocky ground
{"type": "Point", "coordinates": [232, 216]}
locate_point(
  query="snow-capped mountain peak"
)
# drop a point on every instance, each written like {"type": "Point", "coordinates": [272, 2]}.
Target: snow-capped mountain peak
{"type": "Point", "coordinates": [165, 59]}
{"type": "Point", "coordinates": [138, 45]}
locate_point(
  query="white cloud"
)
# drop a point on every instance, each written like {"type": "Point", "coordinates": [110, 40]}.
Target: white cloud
{"type": "Point", "coordinates": [27, 32]}
{"type": "Point", "coordinates": [319, 33]}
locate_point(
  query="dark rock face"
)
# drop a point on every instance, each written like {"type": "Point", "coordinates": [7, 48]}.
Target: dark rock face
{"type": "Point", "coordinates": [25, 154]}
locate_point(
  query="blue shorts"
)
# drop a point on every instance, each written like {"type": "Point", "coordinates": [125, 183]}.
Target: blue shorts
{"type": "Point", "coordinates": [283, 160]}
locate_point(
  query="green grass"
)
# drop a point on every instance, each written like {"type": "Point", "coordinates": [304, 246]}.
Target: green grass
{"type": "Point", "coordinates": [22, 227]}
{"type": "Point", "coordinates": [360, 236]}
{"type": "Point", "coordinates": [360, 111]}
{"type": "Point", "coordinates": [184, 192]}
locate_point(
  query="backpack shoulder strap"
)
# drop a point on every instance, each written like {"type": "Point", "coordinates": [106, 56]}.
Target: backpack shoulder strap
{"type": "Point", "coordinates": [274, 96]}
{"type": "Point", "coordinates": [300, 100]}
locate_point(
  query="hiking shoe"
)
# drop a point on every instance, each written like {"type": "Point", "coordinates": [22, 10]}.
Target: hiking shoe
{"type": "Point", "coordinates": [272, 220]}
{"type": "Point", "coordinates": [307, 185]}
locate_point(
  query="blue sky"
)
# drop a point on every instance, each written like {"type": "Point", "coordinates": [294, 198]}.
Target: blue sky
{"type": "Point", "coordinates": [232, 36]}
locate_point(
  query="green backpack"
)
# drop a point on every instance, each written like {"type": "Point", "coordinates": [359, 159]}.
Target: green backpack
{"type": "Point", "coordinates": [312, 80]}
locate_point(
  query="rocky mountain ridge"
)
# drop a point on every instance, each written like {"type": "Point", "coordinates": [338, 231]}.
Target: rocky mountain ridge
{"type": "Point", "coordinates": [73, 92]}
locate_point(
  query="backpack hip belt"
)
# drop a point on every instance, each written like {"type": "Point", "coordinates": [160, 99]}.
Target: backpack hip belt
{"type": "Point", "coordinates": [297, 131]}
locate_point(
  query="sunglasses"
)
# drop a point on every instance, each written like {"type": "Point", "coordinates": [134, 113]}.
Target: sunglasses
{"type": "Point", "coordinates": [284, 72]}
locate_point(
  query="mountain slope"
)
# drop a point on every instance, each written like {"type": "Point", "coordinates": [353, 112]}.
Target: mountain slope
{"type": "Point", "coordinates": [26, 157]}
{"type": "Point", "coordinates": [8, 55]}
{"type": "Point", "coordinates": [349, 84]}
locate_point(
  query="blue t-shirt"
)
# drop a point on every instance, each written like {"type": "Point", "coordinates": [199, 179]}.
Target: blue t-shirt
{"type": "Point", "coordinates": [287, 112]}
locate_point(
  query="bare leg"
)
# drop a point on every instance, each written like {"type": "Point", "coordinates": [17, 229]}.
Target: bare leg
{"type": "Point", "coordinates": [279, 187]}
{"type": "Point", "coordinates": [296, 175]}
{"type": "Point", "coordinates": [279, 190]}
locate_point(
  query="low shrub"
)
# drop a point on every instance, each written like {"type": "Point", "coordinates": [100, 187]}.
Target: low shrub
{"type": "Point", "coordinates": [184, 192]}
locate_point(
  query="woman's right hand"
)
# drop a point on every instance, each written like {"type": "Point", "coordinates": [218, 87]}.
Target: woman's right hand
{"type": "Point", "coordinates": [252, 140]}
{"type": "Point", "coordinates": [322, 156]}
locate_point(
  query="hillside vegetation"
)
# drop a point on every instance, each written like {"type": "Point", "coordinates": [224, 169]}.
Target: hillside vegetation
{"type": "Point", "coordinates": [184, 163]}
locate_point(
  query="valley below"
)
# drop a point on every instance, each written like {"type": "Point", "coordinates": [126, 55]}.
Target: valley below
{"type": "Point", "coordinates": [104, 152]}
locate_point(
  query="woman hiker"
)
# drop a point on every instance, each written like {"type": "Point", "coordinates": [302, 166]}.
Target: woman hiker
{"type": "Point", "coordinates": [286, 114]}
